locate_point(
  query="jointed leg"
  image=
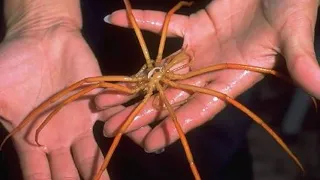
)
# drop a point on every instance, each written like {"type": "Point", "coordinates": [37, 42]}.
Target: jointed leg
{"type": "Point", "coordinates": [165, 28]}
{"type": "Point", "coordinates": [180, 132]}
{"type": "Point", "coordinates": [59, 95]}
{"type": "Point", "coordinates": [223, 66]}
{"type": "Point", "coordinates": [138, 34]}
{"type": "Point", "coordinates": [118, 136]}
{"type": "Point", "coordinates": [75, 97]}
{"type": "Point", "coordinates": [235, 103]}
{"type": "Point", "coordinates": [158, 104]}
{"type": "Point", "coordinates": [178, 58]}
{"type": "Point", "coordinates": [61, 105]}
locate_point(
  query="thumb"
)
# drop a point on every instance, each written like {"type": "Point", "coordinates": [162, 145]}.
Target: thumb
{"type": "Point", "coordinates": [150, 21]}
{"type": "Point", "coordinates": [298, 50]}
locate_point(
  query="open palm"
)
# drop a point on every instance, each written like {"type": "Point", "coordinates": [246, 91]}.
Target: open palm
{"type": "Point", "coordinates": [250, 32]}
{"type": "Point", "coordinates": [34, 68]}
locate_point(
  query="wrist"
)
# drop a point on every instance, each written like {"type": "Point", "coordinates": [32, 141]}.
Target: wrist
{"type": "Point", "coordinates": [25, 17]}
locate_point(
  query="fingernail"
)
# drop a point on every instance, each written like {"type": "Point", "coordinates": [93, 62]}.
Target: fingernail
{"type": "Point", "coordinates": [106, 134]}
{"type": "Point", "coordinates": [107, 19]}
{"type": "Point", "coordinates": [156, 151]}
{"type": "Point", "coordinates": [159, 151]}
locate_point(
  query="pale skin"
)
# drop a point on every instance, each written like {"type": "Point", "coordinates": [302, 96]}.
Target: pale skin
{"type": "Point", "coordinates": [43, 52]}
{"type": "Point", "coordinates": [63, 48]}
{"type": "Point", "coordinates": [245, 32]}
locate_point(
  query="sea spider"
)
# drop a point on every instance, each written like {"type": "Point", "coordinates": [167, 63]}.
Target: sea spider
{"type": "Point", "coordinates": [152, 79]}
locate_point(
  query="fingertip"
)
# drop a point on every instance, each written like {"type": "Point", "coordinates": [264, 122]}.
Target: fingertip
{"type": "Point", "coordinates": [118, 18]}
{"type": "Point", "coordinates": [107, 19]}
{"type": "Point", "coordinates": [160, 137]}
{"type": "Point", "coordinates": [108, 131]}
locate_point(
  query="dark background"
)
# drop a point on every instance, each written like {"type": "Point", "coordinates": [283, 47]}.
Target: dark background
{"type": "Point", "coordinates": [220, 147]}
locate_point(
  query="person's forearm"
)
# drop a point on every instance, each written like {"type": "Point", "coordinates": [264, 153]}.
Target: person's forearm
{"type": "Point", "coordinates": [24, 15]}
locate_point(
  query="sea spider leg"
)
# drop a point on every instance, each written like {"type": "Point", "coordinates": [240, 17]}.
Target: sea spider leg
{"type": "Point", "coordinates": [241, 107]}
{"type": "Point", "coordinates": [122, 130]}
{"type": "Point", "coordinates": [158, 105]}
{"type": "Point", "coordinates": [223, 66]}
{"type": "Point", "coordinates": [178, 58]}
{"type": "Point", "coordinates": [59, 95]}
{"type": "Point", "coordinates": [78, 95]}
{"type": "Point", "coordinates": [180, 132]}
{"type": "Point", "coordinates": [138, 34]}
{"type": "Point", "coordinates": [165, 28]}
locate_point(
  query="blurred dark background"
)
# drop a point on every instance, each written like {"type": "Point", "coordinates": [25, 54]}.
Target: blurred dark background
{"type": "Point", "coordinates": [225, 149]}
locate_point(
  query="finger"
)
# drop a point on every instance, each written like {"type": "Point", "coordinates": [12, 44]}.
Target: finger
{"type": "Point", "coordinates": [109, 97]}
{"type": "Point", "coordinates": [108, 113]}
{"type": "Point", "coordinates": [298, 48]}
{"type": "Point", "coordinates": [34, 163]}
{"type": "Point", "coordinates": [62, 165]}
{"type": "Point", "coordinates": [146, 116]}
{"type": "Point", "coordinates": [151, 21]}
{"type": "Point", "coordinates": [87, 157]}
{"type": "Point", "coordinates": [199, 109]}
{"type": "Point", "coordinates": [149, 113]}
{"type": "Point", "coordinates": [138, 136]}
{"type": "Point", "coordinates": [196, 112]}
{"type": "Point", "coordinates": [112, 98]}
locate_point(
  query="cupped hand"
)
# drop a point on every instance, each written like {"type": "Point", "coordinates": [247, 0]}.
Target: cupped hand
{"type": "Point", "coordinates": [250, 32]}
{"type": "Point", "coordinates": [34, 66]}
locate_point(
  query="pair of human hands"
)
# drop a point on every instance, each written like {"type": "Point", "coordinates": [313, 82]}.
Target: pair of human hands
{"type": "Point", "coordinates": [34, 67]}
